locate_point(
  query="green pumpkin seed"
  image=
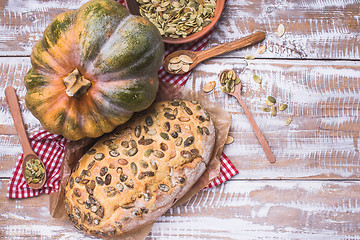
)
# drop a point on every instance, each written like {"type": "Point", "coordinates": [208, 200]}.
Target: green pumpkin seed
{"type": "Point", "coordinates": [119, 187]}
{"type": "Point", "coordinates": [27, 173]}
{"type": "Point", "coordinates": [189, 141]}
{"type": "Point", "coordinates": [152, 132]}
{"type": "Point", "coordinates": [123, 177]}
{"type": "Point", "coordinates": [206, 130]}
{"type": "Point", "coordinates": [188, 111]}
{"type": "Point", "coordinates": [175, 103]}
{"type": "Point", "coordinates": [177, 128]}
{"type": "Point", "coordinates": [149, 121]}
{"type": "Point", "coordinates": [114, 153]}
{"type": "Point", "coordinates": [159, 154]}
{"type": "Point", "coordinates": [99, 181]}
{"type": "Point", "coordinates": [167, 126]}
{"type": "Point", "coordinates": [184, 119]}
{"type": "Point", "coordinates": [257, 79]}
{"type": "Point", "coordinates": [288, 121]}
{"type": "Point", "coordinates": [137, 131]}
{"type": "Point", "coordinates": [153, 164]}
{"type": "Point", "coordinates": [147, 152]}
{"type": "Point", "coordinates": [99, 156]}
{"type": "Point", "coordinates": [133, 143]}
{"type": "Point", "coordinates": [164, 187]}
{"type": "Point", "coordinates": [200, 130]}
{"type": "Point", "coordinates": [91, 151]}
{"type": "Point", "coordinates": [271, 99]}
{"type": "Point", "coordinates": [77, 192]}
{"type": "Point", "coordinates": [273, 111]}
{"type": "Point", "coordinates": [35, 180]}
{"type": "Point", "coordinates": [179, 141]}
{"type": "Point", "coordinates": [103, 171]}
{"type": "Point", "coordinates": [107, 179]}
{"type": "Point", "coordinates": [143, 164]}
{"type": "Point", "coordinates": [125, 144]}
{"type": "Point", "coordinates": [282, 107]}
{"type": "Point", "coordinates": [169, 116]}
{"type": "Point", "coordinates": [186, 154]}
{"type": "Point", "coordinates": [266, 109]}
{"type": "Point", "coordinates": [91, 164]}
{"type": "Point", "coordinates": [132, 151]}
{"type": "Point", "coordinates": [133, 168]}
{"type": "Point", "coordinates": [122, 161]}
{"type": "Point", "coordinates": [164, 136]}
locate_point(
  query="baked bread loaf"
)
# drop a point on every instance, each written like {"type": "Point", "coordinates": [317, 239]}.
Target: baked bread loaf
{"type": "Point", "coordinates": [133, 175]}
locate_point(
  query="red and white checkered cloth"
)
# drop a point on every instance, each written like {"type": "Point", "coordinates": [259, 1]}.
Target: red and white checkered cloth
{"type": "Point", "coordinates": [51, 148]}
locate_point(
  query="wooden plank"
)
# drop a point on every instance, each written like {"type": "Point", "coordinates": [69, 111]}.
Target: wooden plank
{"type": "Point", "coordinates": [312, 31]}
{"type": "Point", "coordinates": [323, 99]}
{"type": "Point", "coordinates": [250, 209]}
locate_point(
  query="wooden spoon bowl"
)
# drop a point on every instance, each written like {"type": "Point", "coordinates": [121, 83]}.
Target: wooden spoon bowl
{"type": "Point", "coordinates": [198, 57]}
{"type": "Point", "coordinates": [237, 93]}
{"type": "Point", "coordinates": [20, 128]}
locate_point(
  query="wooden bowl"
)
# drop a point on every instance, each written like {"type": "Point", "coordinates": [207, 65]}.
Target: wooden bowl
{"type": "Point", "coordinates": [133, 7]}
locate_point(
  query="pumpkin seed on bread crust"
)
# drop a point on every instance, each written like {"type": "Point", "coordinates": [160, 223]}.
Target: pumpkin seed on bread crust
{"type": "Point", "coordinates": [142, 184]}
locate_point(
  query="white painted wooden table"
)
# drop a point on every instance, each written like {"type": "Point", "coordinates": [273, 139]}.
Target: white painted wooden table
{"type": "Point", "coordinates": [311, 192]}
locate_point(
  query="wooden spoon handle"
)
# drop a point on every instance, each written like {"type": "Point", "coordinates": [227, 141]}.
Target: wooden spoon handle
{"type": "Point", "coordinates": [18, 121]}
{"type": "Point", "coordinates": [257, 130]}
{"type": "Point", "coordinates": [227, 47]}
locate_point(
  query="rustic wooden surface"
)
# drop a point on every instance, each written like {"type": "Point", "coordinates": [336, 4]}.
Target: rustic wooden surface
{"type": "Point", "coordinates": [311, 192]}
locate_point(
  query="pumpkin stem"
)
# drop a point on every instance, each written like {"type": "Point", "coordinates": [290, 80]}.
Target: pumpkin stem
{"type": "Point", "coordinates": [76, 85]}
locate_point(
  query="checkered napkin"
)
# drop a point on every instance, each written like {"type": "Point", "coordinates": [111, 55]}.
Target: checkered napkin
{"type": "Point", "coordinates": [51, 148]}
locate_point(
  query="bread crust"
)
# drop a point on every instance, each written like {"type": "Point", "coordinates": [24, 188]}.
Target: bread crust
{"type": "Point", "coordinates": [133, 175]}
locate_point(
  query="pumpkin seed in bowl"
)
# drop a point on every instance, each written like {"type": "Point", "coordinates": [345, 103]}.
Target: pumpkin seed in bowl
{"type": "Point", "coordinates": [178, 19]}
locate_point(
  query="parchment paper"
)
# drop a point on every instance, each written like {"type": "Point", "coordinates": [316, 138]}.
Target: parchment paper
{"type": "Point", "coordinates": [222, 122]}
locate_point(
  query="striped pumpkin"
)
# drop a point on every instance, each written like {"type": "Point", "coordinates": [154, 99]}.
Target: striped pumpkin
{"type": "Point", "coordinates": [92, 69]}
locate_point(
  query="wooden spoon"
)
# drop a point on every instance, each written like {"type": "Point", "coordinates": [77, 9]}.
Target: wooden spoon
{"type": "Point", "coordinates": [198, 57]}
{"type": "Point", "coordinates": [19, 125]}
{"type": "Point", "coordinates": [258, 133]}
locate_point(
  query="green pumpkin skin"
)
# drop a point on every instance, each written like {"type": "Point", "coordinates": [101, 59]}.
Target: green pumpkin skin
{"type": "Point", "coordinates": [115, 53]}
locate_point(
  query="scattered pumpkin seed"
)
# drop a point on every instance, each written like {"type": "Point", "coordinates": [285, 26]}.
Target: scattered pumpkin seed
{"type": "Point", "coordinates": [229, 140]}
{"type": "Point", "coordinates": [273, 110]}
{"type": "Point", "coordinates": [283, 107]}
{"type": "Point", "coordinates": [288, 121]}
{"type": "Point", "coordinates": [208, 87]}
{"type": "Point", "coordinates": [249, 57]}
{"type": "Point", "coordinates": [257, 79]}
{"type": "Point", "coordinates": [266, 109]}
{"type": "Point", "coordinates": [269, 103]}
{"type": "Point", "coordinates": [280, 30]}
{"type": "Point", "coordinates": [261, 49]}
{"type": "Point", "coordinates": [271, 99]}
